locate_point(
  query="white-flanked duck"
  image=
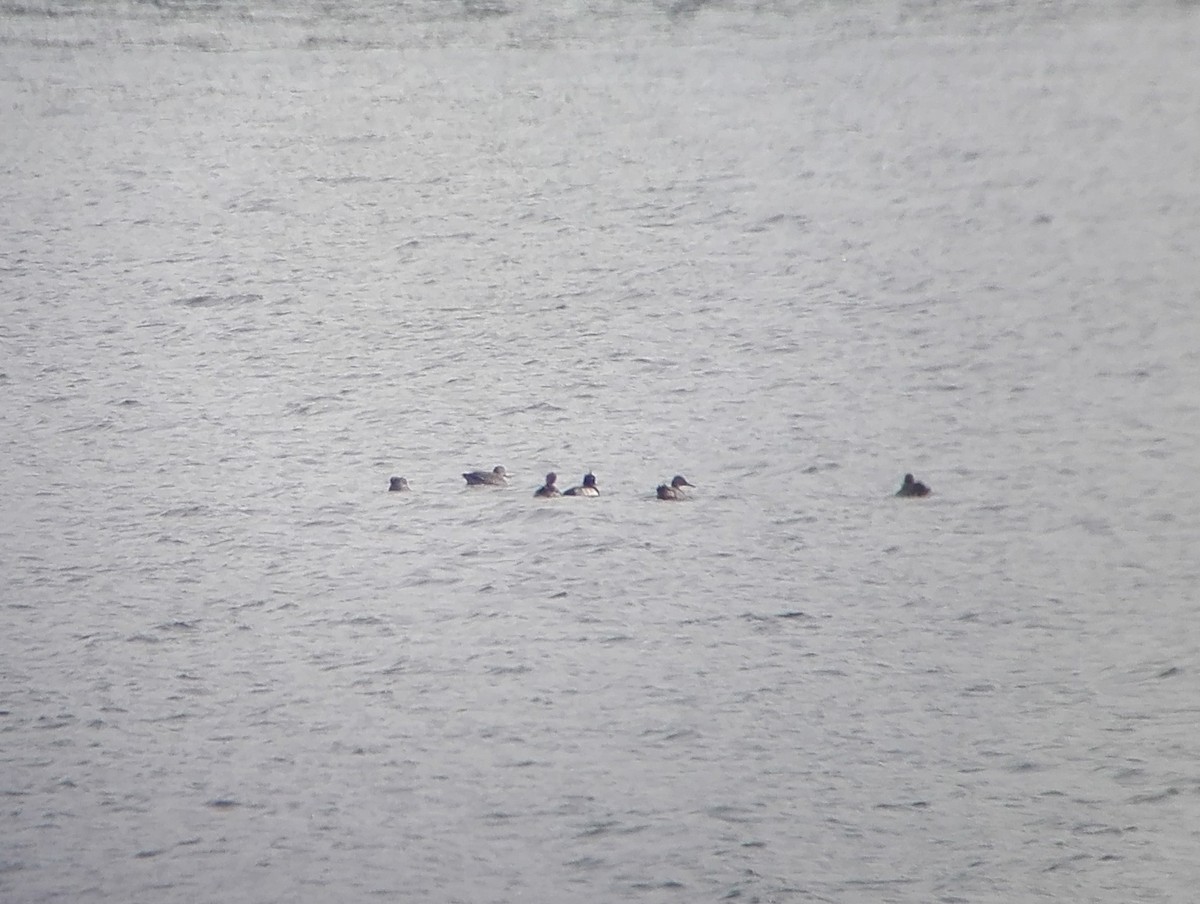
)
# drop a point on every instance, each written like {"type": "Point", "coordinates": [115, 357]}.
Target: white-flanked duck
{"type": "Point", "coordinates": [589, 487]}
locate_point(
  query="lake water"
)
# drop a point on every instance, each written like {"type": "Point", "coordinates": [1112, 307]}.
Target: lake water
{"type": "Point", "coordinates": [258, 258]}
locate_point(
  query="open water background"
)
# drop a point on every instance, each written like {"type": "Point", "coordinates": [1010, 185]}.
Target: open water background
{"type": "Point", "coordinates": [255, 258]}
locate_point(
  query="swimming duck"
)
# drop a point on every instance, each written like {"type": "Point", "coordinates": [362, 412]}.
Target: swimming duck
{"type": "Point", "coordinates": [589, 487]}
{"type": "Point", "coordinates": [912, 487]}
{"type": "Point", "coordinates": [549, 489]}
{"type": "Point", "coordinates": [675, 490]}
{"type": "Point", "coordinates": [398, 485]}
{"type": "Point", "coordinates": [497, 477]}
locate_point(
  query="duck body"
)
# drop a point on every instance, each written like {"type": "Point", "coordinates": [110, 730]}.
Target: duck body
{"type": "Point", "coordinates": [912, 488]}
{"type": "Point", "coordinates": [674, 490]}
{"type": "Point", "coordinates": [549, 489]}
{"type": "Point", "coordinates": [588, 488]}
{"type": "Point", "coordinates": [497, 477]}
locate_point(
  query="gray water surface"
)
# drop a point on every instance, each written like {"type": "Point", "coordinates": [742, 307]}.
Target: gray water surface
{"type": "Point", "coordinates": [258, 258]}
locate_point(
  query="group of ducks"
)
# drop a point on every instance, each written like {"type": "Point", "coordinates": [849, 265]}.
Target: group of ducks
{"type": "Point", "coordinates": [498, 477]}
{"type": "Point", "coordinates": [673, 491]}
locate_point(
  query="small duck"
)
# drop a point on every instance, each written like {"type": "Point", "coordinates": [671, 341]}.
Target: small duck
{"type": "Point", "coordinates": [913, 487]}
{"type": "Point", "coordinates": [589, 487]}
{"type": "Point", "coordinates": [497, 477]}
{"type": "Point", "coordinates": [675, 490]}
{"type": "Point", "coordinates": [549, 489]}
{"type": "Point", "coordinates": [398, 485]}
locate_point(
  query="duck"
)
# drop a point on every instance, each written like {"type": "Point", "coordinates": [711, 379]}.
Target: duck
{"type": "Point", "coordinates": [675, 490]}
{"type": "Point", "coordinates": [497, 477]}
{"type": "Point", "coordinates": [398, 485]}
{"type": "Point", "coordinates": [549, 489]}
{"type": "Point", "coordinates": [589, 487]}
{"type": "Point", "coordinates": [912, 487]}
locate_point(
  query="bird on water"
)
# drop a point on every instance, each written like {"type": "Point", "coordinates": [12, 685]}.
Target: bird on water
{"type": "Point", "coordinates": [912, 487]}
{"type": "Point", "coordinates": [497, 477]}
{"type": "Point", "coordinates": [548, 489]}
{"type": "Point", "coordinates": [588, 488]}
{"type": "Point", "coordinates": [675, 490]}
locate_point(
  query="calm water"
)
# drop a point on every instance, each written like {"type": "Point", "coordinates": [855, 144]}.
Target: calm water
{"type": "Point", "coordinates": [259, 258]}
